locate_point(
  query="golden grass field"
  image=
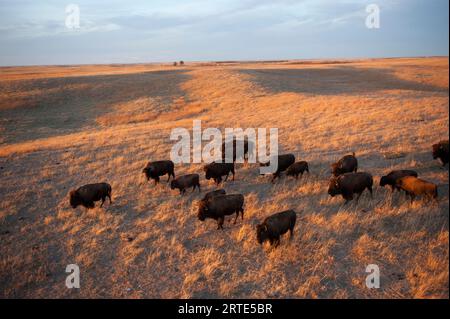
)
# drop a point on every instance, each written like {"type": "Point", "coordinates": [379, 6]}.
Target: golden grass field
{"type": "Point", "coordinates": [63, 127]}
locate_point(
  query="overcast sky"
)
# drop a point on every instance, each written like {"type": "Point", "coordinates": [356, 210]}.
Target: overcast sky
{"type": "Point", "coordinates": [113, 31]}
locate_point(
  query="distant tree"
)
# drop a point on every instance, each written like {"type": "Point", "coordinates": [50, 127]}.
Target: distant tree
{"type": "Point", "coordinates": [181, 62]}
{"type": "Point", "coordinates": [175, 63]}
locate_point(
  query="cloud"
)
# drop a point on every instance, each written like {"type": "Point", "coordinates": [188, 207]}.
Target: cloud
{"type": "Point", "coordinates": [165, 30]}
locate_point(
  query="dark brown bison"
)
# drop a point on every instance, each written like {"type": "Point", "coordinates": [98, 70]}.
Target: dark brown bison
{"type": "Point", "coordinates": [284, 161]}
{"type": "Point", "coordinates": [276, 225]}
{"type": "Point", "coordinates": [214, 193]}
{"type": "Point", "coordinates": [297, 168]}
{"type": "Point", "coordinates": [392, 177]}
{"type": "Point", "coordinates": [350, 183]}
{"type": "Point", "coordinates": [88, 194]}
{"type": "Point", "coordinates": [217, 170]}
{"type": "Point", "coordinates": [247, 148]}
{"type": "Point", "coordinates": [220, 206]}
{"type": "Point", "coordinates": [440, 150]}
{"type": "Point", "coordinates": [414, 186]}
{"type": "Point", "coordinates": [347, 164]}
{"type": "Point", "coordinates": [156, 169]}
{"type": "Point", "coordinates": [186, 181]}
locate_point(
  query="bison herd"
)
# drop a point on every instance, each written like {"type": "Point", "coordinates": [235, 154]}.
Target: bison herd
{"type": "Point", "coordinates": [345, 181]}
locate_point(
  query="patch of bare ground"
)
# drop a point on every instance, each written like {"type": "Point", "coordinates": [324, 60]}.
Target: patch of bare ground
{"type": "Point", "coordinates": [149, 242]}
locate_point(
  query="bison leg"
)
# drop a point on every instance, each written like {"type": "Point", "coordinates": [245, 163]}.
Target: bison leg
{"type": "Point", "coordinates": [198, 186]}
{"type": "Point", "coordinates": [109, 196]}
{"type": "Point", "coordinates": [103, 201]}
{"type": "Point", "coordinates": [275, 175]}
{"type": "Point", "coordinates": [277, 241]}
{"type": "Point", "coordinates": [242, 213]}
{"type": "Point", "coordinates": [168, 177]}
{"type": "Point", "coordinates": [237, 215]}
{"type": "Point", "coordinates": [348, 196]}
{"type": "Point", "coordinates": [435, 199]}
{"type": "Point", "coordinates": [220, 221]}
{"type": "Point", "coordinates": [232, 171]}
{"type": "Point", "coordinates": [371, 191]}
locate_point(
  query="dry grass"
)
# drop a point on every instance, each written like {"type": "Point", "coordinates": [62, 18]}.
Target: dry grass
{"type": "Point", "coordinates": [103, 123]}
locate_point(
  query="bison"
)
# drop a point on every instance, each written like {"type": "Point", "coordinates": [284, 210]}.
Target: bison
{"type": "Point", "coordinates": [297, 168]}
{"type": "Point", "coordinates": [156, 169]}
{"type": "Point", "coordinates": [392, 177]}
{"type": "Point", "coordinates": [220, 206]}
{"type": "Point", "coordinates": [214, 193]}
{"type": "Point", "coordinates": [217, 170]}
{"type": "Point", "coordinates": [440, 150]}
{"type": "Point", "coordinates": [350, 183]}
{"type": "Point", "coordinates": [276, 225]}
{"type": "Point", "coordinates": [347, 164]}
{"type": "Point", "coordinates": [186, 181]}
{"type": "Point", "coordinates": [284, 161]}
{"type": "Point", "coordinates": [88, 194]}
{"type": "Point", "coordinates": [414, 186]}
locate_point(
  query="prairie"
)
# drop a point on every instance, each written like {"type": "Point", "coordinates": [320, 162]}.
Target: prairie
{"type": "Point", "coordinates": [63, 127]}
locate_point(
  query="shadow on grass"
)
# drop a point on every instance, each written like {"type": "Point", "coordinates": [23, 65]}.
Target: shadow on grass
{"type": "Point", "coordinates": [334, 81]}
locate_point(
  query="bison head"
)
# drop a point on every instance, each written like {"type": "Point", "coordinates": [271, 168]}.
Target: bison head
{"type": "Point", "coordinates": [437, 150]}
{"type": "Point", "coordinates": [383, 181]}
{"type": "Point", "coordinates": [262, 233]}
{"type": "Point", "coordinates": [173, 184]}
{"type": "Point", "coordinates": [336, 169]}
{"type": "Point", "coordinates": [75, 199]}
{"type": "Point", "coordinates": [147, 171]}
{"type": "Point", "coordinates": [208, 174]}
{"type": "Point", "coordinates": [333, 187]}
{"type": "Point", "coordinates": [202, 211]}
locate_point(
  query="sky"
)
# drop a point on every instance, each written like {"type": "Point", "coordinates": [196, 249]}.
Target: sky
{"type": "Point", "coordinates": [35, 32]}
